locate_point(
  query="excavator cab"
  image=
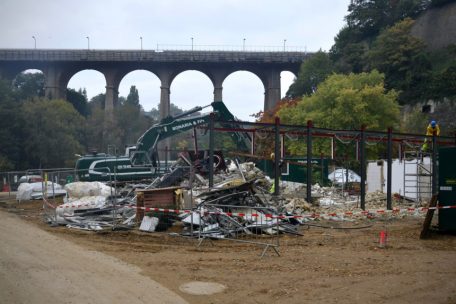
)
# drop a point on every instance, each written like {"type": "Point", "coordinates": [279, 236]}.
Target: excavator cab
{"type": "Point", "coordinates": [140, 159]}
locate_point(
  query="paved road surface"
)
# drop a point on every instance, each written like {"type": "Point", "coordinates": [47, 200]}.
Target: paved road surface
{"type": "Point", "coordinates": [37, 267]}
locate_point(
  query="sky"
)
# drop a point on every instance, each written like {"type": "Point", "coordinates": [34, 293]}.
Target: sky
{"type": "Point", "coordinates": [305, 25]}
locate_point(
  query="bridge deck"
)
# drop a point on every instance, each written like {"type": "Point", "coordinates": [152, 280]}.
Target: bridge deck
{"type": "Point", "coordinates": [149, 55]}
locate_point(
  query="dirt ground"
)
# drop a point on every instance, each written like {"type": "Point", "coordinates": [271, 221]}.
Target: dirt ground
{"type": "Point", "coordinates": [322, 266]}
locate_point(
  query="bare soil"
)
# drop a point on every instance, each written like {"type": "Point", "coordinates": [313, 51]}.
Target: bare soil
{"type": "Point", "coordinates": [322, 266]}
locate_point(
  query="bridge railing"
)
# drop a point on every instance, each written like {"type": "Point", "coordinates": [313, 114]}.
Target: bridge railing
{"type": "Point", "coordinates": [166, 47]}
{"type": "Point", "coordinates": [230, 48]}
{"type": "Point", "coordinates": [163, 54]}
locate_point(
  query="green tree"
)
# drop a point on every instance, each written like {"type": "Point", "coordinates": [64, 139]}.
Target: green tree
{"type": "Point", "coordinates": [155, 112]}
{"type": "Point", "coordinates": [28, 85]}
{"type": "Point", "coordinates": [404, 61]}
{"type": "Point", "coordinates": [54, 130]}
{"type": "Point", "coordinates": [133, 97]}
{"type": "Point", "coordinates": [372, 16]}
{"type": "Point", "coordinates": [443, 84]}
{"type": "Point", "coordinates": [131, 123]}
{"type": "Point", "coordinates": [79, 100]}
{"type": "Point", "coordinates": [312, 72]}
{"type": "Point", "coordinates": [365, 20]}
{"type": "Point", "coordinates": [341, 53]}
{"type": "Point", "coordinates": [97, 101]}
{"type": "Point", "coordinates": [94, 130]}
{"type": "Point", "coordinates": [345, 102]}
{"type": "Point", "coordinates": [10, 129]}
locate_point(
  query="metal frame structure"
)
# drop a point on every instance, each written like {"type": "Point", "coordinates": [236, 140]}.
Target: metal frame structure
{"type": "Point", "coordinates": [362, 136]}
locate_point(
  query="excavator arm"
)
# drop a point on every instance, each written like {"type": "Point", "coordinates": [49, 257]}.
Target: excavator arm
{"type": "Point", "coordinates": [170, 126]}
{"type": "Point", "coordinates": [142, 162]}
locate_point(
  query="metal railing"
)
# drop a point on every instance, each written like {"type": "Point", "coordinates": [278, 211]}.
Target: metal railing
{"type": "Point", "coordinates": [248, 224]}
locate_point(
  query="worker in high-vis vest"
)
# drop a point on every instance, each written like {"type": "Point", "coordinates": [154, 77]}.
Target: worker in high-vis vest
{"type": "Point", "coordinates": [432, 129]}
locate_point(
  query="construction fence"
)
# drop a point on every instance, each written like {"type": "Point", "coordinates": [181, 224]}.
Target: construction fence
{"type": "Point", "coordinates": [288, 153]}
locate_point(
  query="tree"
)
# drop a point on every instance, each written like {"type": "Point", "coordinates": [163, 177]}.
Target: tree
{"type": "Point", "coordinates": [94, 130]}
{"type": "Point", "coordinates": [264, 142]}
{"type": "Point", "coordinates": [341, 53]}
{"type": "Point", "coordinates": [155, 112]}
{"type": "Point", "coordinates": [404, 61]}
{"type": "Point", "coordinates": [131, 123]}
{"type": "Point", "coordinates": [54, 130]}
{"type": "Point", "coordinates": [443, 84]}
{"type": "Point", "coordinates": [345, 102]}
{"type": "Point", "coordinates": [366, 19]}
{"type": "Point", "coordinates": [79, 101]}
{"type": "Point", "coordinates": [10, 129]}
{"type": "Point", "coordinates": [28, 85]}
{"type": "Point", "coordinates": [372, 16]}
{"type": "Point", "coordinates": [133, 97]}
{"type": "Point", "coordinates": [98, 101]}
{"type": "Point", "coordinates": [312, 72]}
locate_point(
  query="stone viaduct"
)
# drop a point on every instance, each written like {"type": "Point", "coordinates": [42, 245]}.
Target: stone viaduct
{"type": "Point", "coordinates": [59, 65]}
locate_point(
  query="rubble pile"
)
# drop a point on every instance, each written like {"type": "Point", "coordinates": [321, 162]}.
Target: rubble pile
{"type": "Point", "coordinates": [239, 203]}
{"type": "Point", "coordinates": [93, 206]}
{"type": "Point", "coordinates": [228, 211]}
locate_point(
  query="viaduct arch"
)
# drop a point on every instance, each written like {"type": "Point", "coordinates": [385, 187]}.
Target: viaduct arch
{"type": "Point", "coordinates": [59, 66]}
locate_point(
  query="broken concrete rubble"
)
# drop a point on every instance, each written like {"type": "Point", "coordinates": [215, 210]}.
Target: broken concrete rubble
{"type": "Point", "coordinates": [238, 204]}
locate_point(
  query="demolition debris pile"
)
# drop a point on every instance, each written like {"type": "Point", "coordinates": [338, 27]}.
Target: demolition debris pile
{"type": "Point", "coordinates": [91, 206]}
{"type": "Point", "coordinates": [239, 203]}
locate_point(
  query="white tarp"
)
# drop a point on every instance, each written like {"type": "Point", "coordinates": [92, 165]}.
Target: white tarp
{"type": "Point", "coordinates": [27, 191]}
{"type": "Point", "coordinates": [82, 189]}
{"type": "Point", "coordinates": [339, 176]}
{"type": "Point", "coordinates": [84, 203]}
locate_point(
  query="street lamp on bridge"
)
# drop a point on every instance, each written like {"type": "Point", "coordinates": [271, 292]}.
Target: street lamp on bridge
{"type": "Point", "coordinates": [34, 39]}
{"type": "Point", "coordinates": [192, 43]}
{"type": "Point", "coordinates": [243, 44]}
{"type": "Point", "coordinates": [141, 43]}
{"type": "Point", "coordinates": [284, 41]}
{"type": "Point", "coordinates": [88, 42]}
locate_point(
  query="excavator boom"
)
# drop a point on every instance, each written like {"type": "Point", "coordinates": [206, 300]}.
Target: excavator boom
{"type": "Point", "coordinates": [143, 161]}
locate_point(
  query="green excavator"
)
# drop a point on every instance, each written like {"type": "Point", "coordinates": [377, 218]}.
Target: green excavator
{"type": "Point", "coordinates": [140, 162]}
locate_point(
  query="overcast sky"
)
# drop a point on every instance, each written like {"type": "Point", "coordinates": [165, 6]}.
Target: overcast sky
{"type": "Point", "coordinates": [213, 24]}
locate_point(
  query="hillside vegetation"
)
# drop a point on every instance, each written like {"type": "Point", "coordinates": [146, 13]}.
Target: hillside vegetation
{"type": "Point", "coordinates": [378, 36]}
